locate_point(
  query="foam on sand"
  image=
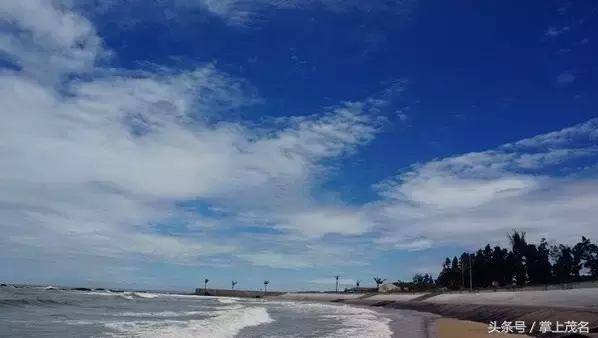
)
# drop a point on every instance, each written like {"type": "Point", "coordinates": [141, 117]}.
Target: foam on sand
{"type": "Point", "coordinates": [222, 324]}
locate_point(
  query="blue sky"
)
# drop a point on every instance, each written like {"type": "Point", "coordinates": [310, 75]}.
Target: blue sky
{"type": "Point", "coordinates": [153, 145]}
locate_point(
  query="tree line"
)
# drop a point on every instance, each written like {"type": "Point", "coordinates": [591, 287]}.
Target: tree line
{"type": "Point", "coordinates": [521, 264]}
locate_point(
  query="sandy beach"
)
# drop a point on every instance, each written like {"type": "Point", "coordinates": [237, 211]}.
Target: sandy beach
{"type": "Point", "coordinates": [453, 328]}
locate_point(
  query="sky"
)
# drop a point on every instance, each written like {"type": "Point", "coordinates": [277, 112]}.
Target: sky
{"type": "Point", "coordinates": [153, 144]}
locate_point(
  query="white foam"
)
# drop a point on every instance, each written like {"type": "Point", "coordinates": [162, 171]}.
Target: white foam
{"type": "Point", "coordinates": [143, 326]}
{"type": "Point", "coordinates": [357, 322]}
{"type": "Point", "coordinates": [161, 314]}
{"type": "Point", "coordinates": [226, 308]}
{"type": "Point", "coordinates": [228, 300]}
{"type": "Point", "coordinates": [146, 295]}
{"type": "Point", "coordinates": [125, 296]}
{"type": "Point", "coordinates": [223, 324]}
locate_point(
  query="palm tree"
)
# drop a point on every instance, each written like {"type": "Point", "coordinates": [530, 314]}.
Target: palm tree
{"type": "Point", "coordinates": [233, 285]}
{"type": "Point", "coordinates": [518, 247]}
{"type": "Point", "coordinates": [205, 284]}
{"type": "Point", "coordinates": [266, 282]}
{"type": "Point", "coordinates": [379, 282]}
{"type": "Point", "coordinates": [337, 276]}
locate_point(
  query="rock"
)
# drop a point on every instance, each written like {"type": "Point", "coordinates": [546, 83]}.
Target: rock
{"type": "Point", "coordinates": [388, 287]}
{"type": "Point", "coordinates": [81, 289]}
{"type": "Point", "coordinates": [3, 285]}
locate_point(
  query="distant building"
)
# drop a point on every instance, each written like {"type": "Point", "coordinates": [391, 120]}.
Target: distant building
{"type": "Point", "coordinates": [388, 287]}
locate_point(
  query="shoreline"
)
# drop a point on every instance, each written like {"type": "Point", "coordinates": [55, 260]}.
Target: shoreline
{"type": "Point", "coordinates": [469, 315]}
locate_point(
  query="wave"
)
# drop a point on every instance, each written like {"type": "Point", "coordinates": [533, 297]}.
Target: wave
{"type": "Point", "coordinates": [357, 322]}
{"type": "Point", "coordinates": [132, 295]}
{"type": "Point", "coordinates": [141, 294]}
{"type": "Point", "coordinates": [222, 324]}
{"type": "Point", "coordinates": [146, 295]}
{"type": "Point", "coordinates": [124, 296]}
{"type": "Point", "coordinates": [162, 314]}
{"type": "Point", "coordinates": [228, 300]}
{"type": "Point", "coordinates": [37, 301]}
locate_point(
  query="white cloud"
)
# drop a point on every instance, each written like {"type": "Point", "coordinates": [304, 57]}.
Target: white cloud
{"type": "Point", "coordinates": [565, 78]}
{"type": "Point", "coordinates": [298, 252]}
{"type": "Point", "coordinates": [250, 12]}
{"type": "Point", "coordinates": [332, 281]}
{"type": "Point", "coordinates": [47, 42]}
{"type": "Point", "coordinates": [89, 165]}
{"type": "Point", "coordinates": [555, 31]}
{"type": "Point", "coordinates": [478, 197]}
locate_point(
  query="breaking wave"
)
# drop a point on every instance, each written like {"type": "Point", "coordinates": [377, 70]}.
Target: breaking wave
{"type": "Point", "coordinates": [222, 324]}
{"type": "Point", "coordinates": [228, 300]}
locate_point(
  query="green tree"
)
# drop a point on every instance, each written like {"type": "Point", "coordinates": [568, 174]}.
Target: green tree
{"type": "Point", "coordinates": [563, 263]}
{"type": "Point", "coordinates": [524, 263]}
{"type": "Point", "coordinates": [379, 281]}
{"type": "Point", "coordinates": [500, 270]}
{"type": "Point", "coordinates": [445, 277]}
{"type": "Point", "coordinates": [591, 261]}
{"type": "Point", "coordinates": [517, 261]}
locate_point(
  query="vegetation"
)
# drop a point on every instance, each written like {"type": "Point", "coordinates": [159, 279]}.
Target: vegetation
{"type": "Point", "coordinates": [233, 285]}
{"type": "Point", "coordinates": [420, 283]}
{"type": "Point", "coordinates": [379, 281]}
{"type": "Point", "coordinates": [521, 264]}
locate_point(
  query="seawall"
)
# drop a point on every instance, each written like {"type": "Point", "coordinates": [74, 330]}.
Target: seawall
{"type": "Point", "coordinates": [483, 307]}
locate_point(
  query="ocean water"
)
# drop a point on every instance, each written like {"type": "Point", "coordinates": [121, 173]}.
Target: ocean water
{"type": "Point", "coordinates": [47, 312]}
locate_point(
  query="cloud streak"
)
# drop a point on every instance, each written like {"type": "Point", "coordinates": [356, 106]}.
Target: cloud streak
{"type": "Point", "coordinates": [464, 198]}
{"type": "Point", "coordinates": [250, 13]}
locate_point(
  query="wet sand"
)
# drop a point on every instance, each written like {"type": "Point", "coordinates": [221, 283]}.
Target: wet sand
{"type": "Point", "coordinates": [453, 328]}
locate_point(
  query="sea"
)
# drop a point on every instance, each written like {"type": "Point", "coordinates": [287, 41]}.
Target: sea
{"type": "Point", "coordinates": [54, 312]}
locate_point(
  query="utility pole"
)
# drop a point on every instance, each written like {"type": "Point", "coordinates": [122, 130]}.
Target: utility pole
{"type": "Point", "coordinates": [470, 274]}
{"type": "Point", "coordinates": [337, 276]}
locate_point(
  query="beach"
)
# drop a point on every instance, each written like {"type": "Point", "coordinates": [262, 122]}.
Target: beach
{"type": "Point", "coordinates": [454, 328]}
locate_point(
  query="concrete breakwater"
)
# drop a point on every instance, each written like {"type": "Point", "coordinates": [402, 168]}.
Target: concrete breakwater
{"type": "Point", "coordinates": [579, 305]}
